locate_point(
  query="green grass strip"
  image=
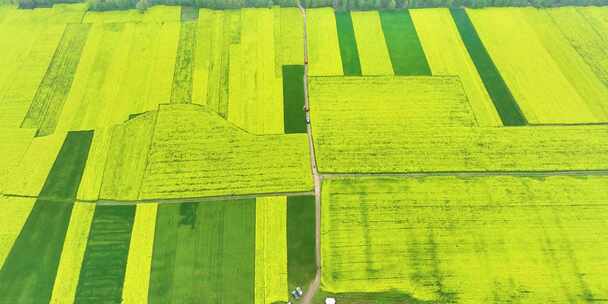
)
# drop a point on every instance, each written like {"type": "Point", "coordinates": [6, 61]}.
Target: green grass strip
{"type": "Point", "coordinates": [301, 263]}
{"type": "Point", "coordinates": [348, 44]}
{"type": "Point", "coordinates": [29, 271]}
{"type": "Point", "coordinates": [105, 260]}
{"type": "Point", "coordinates": [294, 118]}
{"type": "Point", "coordinates": [64, 178]}
{"type": "Point", "coordinates": [182, 76]}
{"type": "Point", "coordinates": [204, 253]}
{"type": "Point", "coordinates": [501, 96]}
{"type": "Point", "coordinates": [53, 91]}
{"type": "Point", "coordinates": [405, 50]}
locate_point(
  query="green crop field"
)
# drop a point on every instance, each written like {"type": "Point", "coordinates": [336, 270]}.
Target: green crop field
{"type": "Point", "coordinates": [189, 154]}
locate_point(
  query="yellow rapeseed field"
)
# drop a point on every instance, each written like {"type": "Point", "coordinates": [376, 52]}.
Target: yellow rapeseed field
{"type": "Point", "coordinates": [256, 103]}
{"type": "Point", "coordinates": [13, 146]}
{"type": "Point", "coordinates": [323, 46]}
{"type": "Point", "coordinates": [126, 160]}
{"type": "Point", "coordinates": [271, 250]}
{"type": "Point", "coordinates": [137, 274]}
{"type": "Point", "coordinates": [90, 183]}
{"type": "Point", "coordinates": [585, 29]}
{"type": "Point", "coordinates": [29, 176]}
{"type": "Point", "coordinates": [395, 102]}
{"type": "Point", "coordinates": [290, 45]}
{"type": "Point", "coordinates": [537, 82]}
{"type": "Point", "coordinates": [196, 153]}
{"type": "Point", "coordinates": [125, 68]}
{"type": "Point", "coordinates": [589, 86]}
{"type": "Point", "coordinates": [466, 240]}
{"type": "Point", "coordinates": [372, 49]}
{"type": "Point", "coordinates": [72, 255]}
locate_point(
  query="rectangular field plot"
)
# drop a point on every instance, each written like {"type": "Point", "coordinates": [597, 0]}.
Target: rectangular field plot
{"type": "Point", "coordinates": [455, 149]}
{"type": "Point", "coordinates": [389, 103]}
{"type": "Point", "coordinates": [547, 76]}
{"type": "Point", "coordinates": [204, 253]}
{"type": "Point", "coordinates": [407, 55]}
{"type": "Point", "coordinates": [323, 43]}
{"type": "Point", "coordinates": [372, 48]}
{"type": "Point", "coordinates": [348, 45]}
{"type": "Point", "coordinates": [271, 250]}
{"type": "Point", "coordinates": [467, 240]}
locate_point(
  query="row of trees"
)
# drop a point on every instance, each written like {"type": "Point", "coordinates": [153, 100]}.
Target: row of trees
{"type": "Point", "coordinates": [102, 5]}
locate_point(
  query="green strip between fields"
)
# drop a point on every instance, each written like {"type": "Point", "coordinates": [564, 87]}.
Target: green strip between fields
{"type": "Point", "coordinates": [301, 262]}
{"type": "Point", "coordinates": [204, 253]}
{"type": "Point", "coordinates": [105, 259]}
{"type": "Point", "coordinates": [29, 271]}
{"type": "Point", "coordinates": [53, 91]}
{"type": "Point", "coordinates": [348, 44]}
{"type": "Point", "coordinates": [405, 50]}
{"type": "Point", "coordinates": [294, 118]}
{"type": "Point", "coordinates": [64, 178]}
{"type": "Point", "coordinates": [184, 62]}
{"type": "Point", "coordinates": [501, 96]}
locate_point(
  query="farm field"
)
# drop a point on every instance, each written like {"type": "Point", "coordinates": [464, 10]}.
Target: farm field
{"type": "Point", "coordinates": [567, 90]}
{"type": "Point", "coordinates": [186, 155]}
{"type": "Point", "coordinates": [447, 55]}
{"type": "Point", "coordinates": [466, 240]}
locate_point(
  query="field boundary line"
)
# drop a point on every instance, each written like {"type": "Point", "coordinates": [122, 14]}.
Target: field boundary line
{"type": "Point", "coordinates": [103, 202]}
{"type": "Point", "coordinates": [603, 172]}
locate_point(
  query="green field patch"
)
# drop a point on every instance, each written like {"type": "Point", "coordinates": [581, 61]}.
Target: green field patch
{"type": "Point", "coordinates": [182, 76]}
{"type": "Point", "coordinates": [293, 99]}
{"type": "Point", "coordinates": [64, 178]}
{"type": "Point", "coordinates": [53, 91]}
{"type": "Point", "coordinates": [407, 55]}
{"type": "Point", "coordinates": [501, 96]}
{"type": "Point", "coordinates": [29, 270]}
{"type": "Point", "coordinates": [204, 253]}
{"type": "Point", "coordinates": [301, 264]}
{"type": "Point", "coordinates": [348, 44]}
{"type": "Point", "coordinates": [105, 259]}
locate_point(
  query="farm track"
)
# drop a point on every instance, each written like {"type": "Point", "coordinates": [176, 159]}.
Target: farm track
{"type": "Point", "coordinates": [313, 287]}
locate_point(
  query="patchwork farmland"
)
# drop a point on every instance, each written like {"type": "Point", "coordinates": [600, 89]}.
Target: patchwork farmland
{"type": "Point", "coordinates": [192, 155]}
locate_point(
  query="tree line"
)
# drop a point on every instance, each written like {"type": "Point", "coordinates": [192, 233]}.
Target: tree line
{"type": "Point", "coordinates": [104, 5]}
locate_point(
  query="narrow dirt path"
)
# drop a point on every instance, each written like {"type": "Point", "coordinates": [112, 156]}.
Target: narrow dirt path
{"type": "Point", "coordinates": [313, 287]}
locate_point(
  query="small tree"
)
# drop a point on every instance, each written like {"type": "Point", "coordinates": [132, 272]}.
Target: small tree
{"type": "Point", "coordinates": [142, 5]}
